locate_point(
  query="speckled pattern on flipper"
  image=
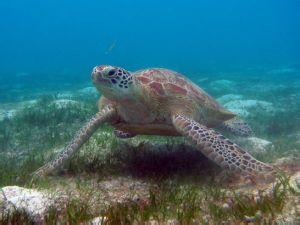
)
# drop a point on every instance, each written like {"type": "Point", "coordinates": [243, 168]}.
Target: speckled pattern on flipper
{"type": "Point", "coordinates": [218, 148]}
{"type": "Point", "coordinates": [80, 138]}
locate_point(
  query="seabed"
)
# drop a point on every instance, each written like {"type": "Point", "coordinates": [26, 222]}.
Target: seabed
{"type": "Point", "coordinates": [147, 180]}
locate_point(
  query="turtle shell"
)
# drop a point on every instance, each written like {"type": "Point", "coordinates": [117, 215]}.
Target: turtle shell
{"type": "Point", "coordinates": [164, 83]}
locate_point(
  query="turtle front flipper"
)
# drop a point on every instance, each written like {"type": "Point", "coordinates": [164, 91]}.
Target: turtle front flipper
{"type": "Point", "coordinates": [238, 127]}
{"type": "Point", "coordinates": [218, 148]}
{"type": "Point", "coordinates": [106, 115]}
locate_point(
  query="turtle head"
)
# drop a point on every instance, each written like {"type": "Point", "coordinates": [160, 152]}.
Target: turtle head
{"type": "Point", "coordinates": [113, 82]}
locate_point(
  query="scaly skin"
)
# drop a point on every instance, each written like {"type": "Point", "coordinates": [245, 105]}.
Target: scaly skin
{"type": "Point", "coordinates": [218, 148]}
{"type": "Point", "coordinates": [80, 138]}
{"type": "Point", "coordinates": [163, 102]}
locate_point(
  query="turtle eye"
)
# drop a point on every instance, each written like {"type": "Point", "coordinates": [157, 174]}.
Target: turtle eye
{"type": "Point", "coordinates": [111, 72]}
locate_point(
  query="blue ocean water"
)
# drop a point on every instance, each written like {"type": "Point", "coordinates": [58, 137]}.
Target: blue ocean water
{"type": "Point", "coordinates": [63, 40]}
{"type": "Point", "coordinates": [245, 54]}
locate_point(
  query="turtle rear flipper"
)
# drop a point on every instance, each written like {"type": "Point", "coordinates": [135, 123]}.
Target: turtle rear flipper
{"type": "Point", "coordinates": [106, 115]}
{"type": "Point", "coordinates": [238, 127]}
{"type": "Point", "coordinates": [218, 148]}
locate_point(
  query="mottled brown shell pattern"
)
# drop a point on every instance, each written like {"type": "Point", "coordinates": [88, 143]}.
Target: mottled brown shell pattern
{"type": "Point", "coordinates": [166, 83]}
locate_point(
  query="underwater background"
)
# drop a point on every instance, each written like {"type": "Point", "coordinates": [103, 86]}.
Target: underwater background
{"type": "Point", "coordinates": [246, 54]}
{"type": "Point", "coordinates": [46, 42]}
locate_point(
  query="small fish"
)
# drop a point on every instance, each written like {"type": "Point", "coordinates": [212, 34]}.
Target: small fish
{"type": "Point", "coordinates": [111, 47]}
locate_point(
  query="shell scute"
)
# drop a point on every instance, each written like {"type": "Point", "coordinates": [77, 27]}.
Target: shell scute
{"type": "Point", "coordinates": [144, 80]}
{"type": "Point", "coordinates": [195, 92]}
{"type": "Point", "coordinates": [164, 82]}
{"type": "Point", "coordinates": [181, 82]}
{"type": "Point", "coordinates": [173, 88]}
{"type": "Point", "coordinates": [160, 79]}
{"type": "Point", "coordinates": [157, 88]}
{"type": "Point", "coordinates": [154, 73]}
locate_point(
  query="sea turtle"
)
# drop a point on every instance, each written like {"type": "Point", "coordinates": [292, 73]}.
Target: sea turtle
{"type": "Point", "coordinates": [160, 101]}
